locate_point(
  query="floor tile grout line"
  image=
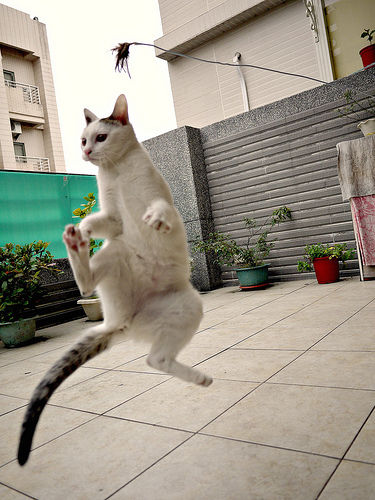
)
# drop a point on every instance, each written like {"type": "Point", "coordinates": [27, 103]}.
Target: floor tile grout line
{"type": "Point", "coordinates": [265, 445]}
{"type": "Point", "coordinates": [18, 491]}
{"type": "Point", "coordinates": [359, 431]}
{"type": "Point", "coordinates": [323, 386]}
{"type": "Point", "coordinates": [358, 461]}
{"type": "Point", "coordinates": [343, 457]}
{"type": "Point", "coordinates": [150, 424]}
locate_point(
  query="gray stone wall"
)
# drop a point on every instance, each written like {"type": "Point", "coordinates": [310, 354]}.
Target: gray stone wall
{"type": "Point", "coordinates": [179, 157]}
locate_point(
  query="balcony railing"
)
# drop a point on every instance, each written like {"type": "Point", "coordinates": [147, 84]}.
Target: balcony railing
{"type": "Point", "coordinates": [30, 92]}
{"type": "Point", "coordinates": [33, 163]}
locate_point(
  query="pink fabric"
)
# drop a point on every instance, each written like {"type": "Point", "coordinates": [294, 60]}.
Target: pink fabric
{"type": "Point", "coordinates": [363, 211]}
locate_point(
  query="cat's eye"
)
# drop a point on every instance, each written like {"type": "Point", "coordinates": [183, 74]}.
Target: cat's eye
{"type": "Point", "coordinates": [83, 141]}
{"type": "Point", "coordinates": [101, 137]}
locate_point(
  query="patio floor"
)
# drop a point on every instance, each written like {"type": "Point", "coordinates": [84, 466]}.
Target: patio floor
{"type": "Point", "coordinates": [289, 415]}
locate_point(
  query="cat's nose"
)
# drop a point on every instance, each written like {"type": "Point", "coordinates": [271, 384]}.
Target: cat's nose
{"type": "Point", "coordinates": [87, 151]}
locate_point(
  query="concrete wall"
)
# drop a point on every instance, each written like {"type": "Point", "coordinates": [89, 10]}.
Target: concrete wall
{"type": "Point", "coordinates": [346, 20]}
{"type": "Point", "coordinates": [250, 164]}
{"type": "Point", "coordinates": [268, 34]}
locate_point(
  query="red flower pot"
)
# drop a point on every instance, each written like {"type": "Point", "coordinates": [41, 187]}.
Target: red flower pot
{"type": "Point", "coordinates": [368, 55]}
{"type": "Point", "coordinates": [326, 269]}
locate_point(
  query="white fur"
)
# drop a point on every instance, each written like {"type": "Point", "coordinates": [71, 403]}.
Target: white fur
{"type": "Point", "coordinates": [142, 271]}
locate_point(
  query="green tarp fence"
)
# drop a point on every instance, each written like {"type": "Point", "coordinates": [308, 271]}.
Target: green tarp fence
{"type": "Point", "coordinates": [38, 206]}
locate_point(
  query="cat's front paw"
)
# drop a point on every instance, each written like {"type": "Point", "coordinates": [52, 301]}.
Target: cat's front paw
{"type": "Point", "coordinates": [74, 240]}
{"type": "Point", "coordinates": [157, 219]}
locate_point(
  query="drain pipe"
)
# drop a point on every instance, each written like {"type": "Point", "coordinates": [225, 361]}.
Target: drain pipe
{"type": "Point", "coordinates": [245, 97]}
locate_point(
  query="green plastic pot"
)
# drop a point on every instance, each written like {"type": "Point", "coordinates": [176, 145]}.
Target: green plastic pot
{"type": "Point", "coordinates": [18, 332]}
{"type": "Point", "coordinates": [252, 277]}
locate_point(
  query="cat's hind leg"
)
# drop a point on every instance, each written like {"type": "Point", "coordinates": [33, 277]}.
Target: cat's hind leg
{"type": "Point", "coordinates": [171, 320]}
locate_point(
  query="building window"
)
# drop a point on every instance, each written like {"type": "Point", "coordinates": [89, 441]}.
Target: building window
{"type": "Point", "coordinates": [9, 77]}
{"type": "Point", "coordinates": [19, 149]}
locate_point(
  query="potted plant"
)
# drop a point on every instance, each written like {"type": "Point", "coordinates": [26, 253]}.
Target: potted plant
{"type": "Point", "coordinates": [20, 289]}
{"type": "Point", "coordinates": [368, 53]}
{"type": "Point", "coordinates": [91, 305]}
{"type": "Point", "coordinates": [352, 109]}
{"type": "Point", "coordinates": [324, 259]}
{"type": "Point", "coordinates": [249, 259]}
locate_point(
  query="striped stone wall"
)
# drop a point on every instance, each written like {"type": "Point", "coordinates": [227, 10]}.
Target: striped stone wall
{"type": "Point", "coordinates": [287, 161]}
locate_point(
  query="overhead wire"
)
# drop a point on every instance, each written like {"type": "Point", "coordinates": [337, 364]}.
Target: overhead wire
{"type": "Point", "coordinates": [122, 56]}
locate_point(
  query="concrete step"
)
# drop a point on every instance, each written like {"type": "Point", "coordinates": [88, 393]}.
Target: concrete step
{"type": "Point", "coordinates": [59, 304]}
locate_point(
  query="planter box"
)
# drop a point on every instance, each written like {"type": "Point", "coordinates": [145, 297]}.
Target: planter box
{"type": "Point", "coordinates": [252, 277]}
{"type": "Point", "coordinates": [92, 308]}
{"type": "Point", "coordinates": [17, 333]}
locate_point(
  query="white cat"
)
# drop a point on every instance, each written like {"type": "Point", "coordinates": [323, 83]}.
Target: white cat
{"type": "Point", "coordinates": [142, 271]}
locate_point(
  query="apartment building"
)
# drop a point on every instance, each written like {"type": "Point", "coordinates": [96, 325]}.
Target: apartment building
{"type": "Point", "coordinates": [316, 38]}
{"type": "Point", "coordinates": [30, 136]}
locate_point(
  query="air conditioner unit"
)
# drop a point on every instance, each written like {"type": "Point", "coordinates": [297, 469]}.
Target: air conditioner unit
{"type": "Point", "coordinates": [16, 128]}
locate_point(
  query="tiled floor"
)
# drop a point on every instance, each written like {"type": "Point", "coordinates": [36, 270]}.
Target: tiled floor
{"type": "Point", "coordinates": [289, 415]}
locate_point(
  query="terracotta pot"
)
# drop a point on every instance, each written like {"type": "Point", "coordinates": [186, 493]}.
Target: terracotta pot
{"type": "Point", "coordinates": [326, 269]}
{"type": "Point", "coordinates": [368, 55]}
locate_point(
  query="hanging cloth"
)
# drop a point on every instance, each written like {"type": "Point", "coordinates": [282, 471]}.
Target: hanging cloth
{"type": "Point", "coordinates": [356, 167]}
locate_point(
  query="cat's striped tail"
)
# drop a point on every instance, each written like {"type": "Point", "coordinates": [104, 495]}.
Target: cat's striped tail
{"type": "Point", "coordinates": [86, 348]}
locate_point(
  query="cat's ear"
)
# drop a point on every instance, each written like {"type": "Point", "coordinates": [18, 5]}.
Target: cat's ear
{"type": "Point", "coordinates": [90, 117]}
{"type": "Point", "coordinates": [120, 111]}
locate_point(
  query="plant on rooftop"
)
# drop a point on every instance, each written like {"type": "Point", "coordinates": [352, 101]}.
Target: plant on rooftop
{"type": "Point", "coordinates": [82, 213]}
{"type": "Point", "coordinates": [368, 34]}
{"type": "Point", "coordinates": [368, 53]}
{"type": "Point", "coordinates": [20, 280]}
{"type": "Point", "coordinates": [355, 109]}
{"type": "Point", "coordinates": [328, 256]}
{"type": "Point", "coordinates": [226, 251]}
{"type": "Point", "coordinates": [91, 305]}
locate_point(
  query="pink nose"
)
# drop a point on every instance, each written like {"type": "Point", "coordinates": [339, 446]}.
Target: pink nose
{"type": "Point", "coordinates": [87, 151]}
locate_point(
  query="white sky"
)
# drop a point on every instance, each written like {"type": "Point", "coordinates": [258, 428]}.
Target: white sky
{"type": "Point", "coordinates": [81, 34]}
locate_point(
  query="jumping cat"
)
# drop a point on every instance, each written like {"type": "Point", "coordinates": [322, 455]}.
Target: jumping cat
{"type": "Point", "coordinates": [142, 271]}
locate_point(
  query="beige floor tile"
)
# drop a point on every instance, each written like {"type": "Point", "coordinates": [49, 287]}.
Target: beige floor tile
{"type": "Point", "coordinates": [19, 379]}
{"type": "Point", "coordinates": [246, 364]}
{"type": "Point", "coordinates": [53, 422]}
{"type": "Point", "coordinates": [219, 337]}
{"type": "Point", "coordinates": [8, 403]}
{"type": "Point", "coordinates": [246, 325]}
{"type": "Point", "coordinates": [183, 406]}
{"type": "Point", "coordinates": [119, 354]}
{"type": "Point", "coordinates": [30, 352]}
{"type": "Point", "coordinates": [363, 448]}
{"type": "Point", "coordinates": [91, 462]}
{"type": "Point", "coordinates": [219, 469]}
{"type": "Point", "coordinates": [349, 337]}
{"type": "Point", "coordinates": [9, 494]}
{"type": "Point", "coordinates": [285, 336]}
{"type": "Point", "coordinates": [351, 481]}
{"type": "Point", "coordinates": [23, 386]}
{"type": "Point", "coordinates": [331, 369]}
{"type": "Point", "coordinates": [102, 393]}
{"type": "Point", "coordinates": [312, 419]}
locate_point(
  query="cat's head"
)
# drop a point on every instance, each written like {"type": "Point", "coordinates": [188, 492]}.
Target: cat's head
{"type": "Point", "coordinates": [104, 141]}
